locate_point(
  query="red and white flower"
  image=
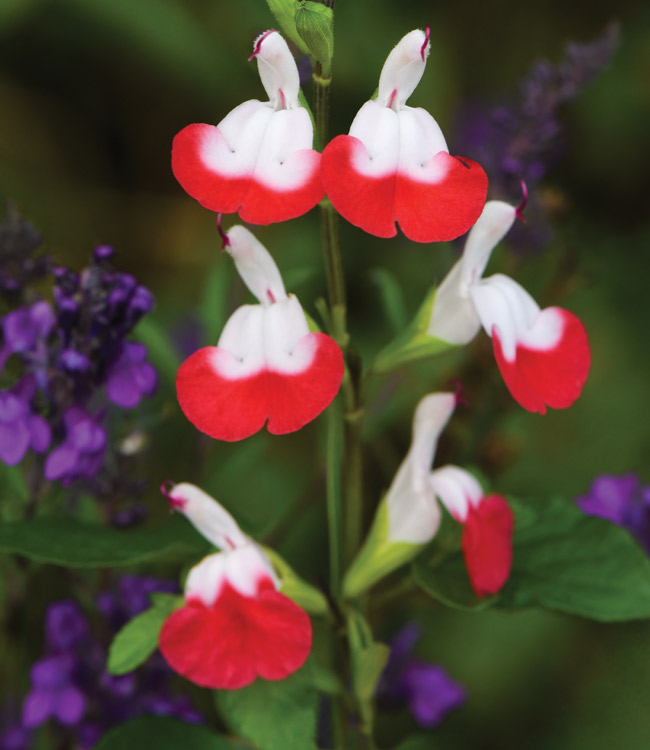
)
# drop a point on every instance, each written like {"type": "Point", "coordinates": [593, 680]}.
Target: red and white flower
{"type": "Point", "coordinates": [267, 367]}
{"type": "Point", "coordinates": [543, 355]}
{"type": "Point", "coordinates": [235, 624]}
{"type": "Point", "coordinates": [414, 515]}
{"type": "Point", "coordinates": [394, 166]}
{"type": "Point", "coordinates": [258, 160]}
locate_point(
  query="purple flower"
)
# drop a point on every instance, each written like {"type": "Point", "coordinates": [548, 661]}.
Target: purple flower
{"type": "Point", "coordinates": [53, 694]}
{"type": "Point", "coordinates": [20, 429]}
{"type": "Point", "coordinates": [82, 452]}
{"type": "Point", "coordinates": [25, 330]}
{"type": "Point", "coordinates": [65, 625]}
{"type": "Point", "coordinates": [622, 500]}
{"type": "Point", "coordinates": [15, 737]}
{"type": "Point", "coordinates": [426, 688]}
{"type": "Point", "coordinates": [130, 377]}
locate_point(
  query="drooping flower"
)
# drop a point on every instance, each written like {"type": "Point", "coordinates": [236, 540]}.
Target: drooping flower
{"type": "Point", "coordinates": [394, 166]}
{"type": "Point", "coordinates": [266, 366]}
{"type": "Point", "coordinates": [426, 688]}
{"type": "Point", "coordinates": [235, 625]}
{"type": "Point", "coordinates": [409, 515]}
{"type": "Point", "coordinates": [543, 355]}
{"type": "Point", "coordinates": [624, 500]}
{"type": "Point", "coordinates": [258, 160]}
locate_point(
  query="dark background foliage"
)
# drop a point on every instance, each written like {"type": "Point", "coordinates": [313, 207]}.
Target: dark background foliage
{"type": "Point", "coordinates": [92, 92]}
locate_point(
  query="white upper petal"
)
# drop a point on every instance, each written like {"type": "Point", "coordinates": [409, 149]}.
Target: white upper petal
{"type": "Point", "coordinates": [278, 70]}
{"type": "Point", "coordinates": [265, 338]}
{"type": "Point", "coordinates": [491, 227]}
{"type": "Point", "coordinates": [209, 518]}
{"type": "Point", "coordinates": [403, 69]}
{"type": "Point", "coordinates": [454, 317]}
{"type": "Point", "coordinates": [242, 568]}
{"type": "Point", "coordinates": [413, 514]}
{"type": "Point", "coordinates": [288, 131]}
{"type": "Point", "coordinates": [457, 490]}
{"type": "Point", "coordinates": [502, 303]}
{"type": "Point", "coordinates": [255, 265]}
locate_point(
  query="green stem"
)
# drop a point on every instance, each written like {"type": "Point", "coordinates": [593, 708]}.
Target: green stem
{"type": "Point", "coordinates": [334, 499]}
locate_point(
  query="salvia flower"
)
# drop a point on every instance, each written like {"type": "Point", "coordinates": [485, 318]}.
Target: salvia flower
{"type": "Point", "coordinates": [543, 355]}
{"type": "Point", "coordinates": [130, 376]}
{"type": "Point", "coordinates": [409, 515]}
{"type": "Point", "coordinates": [259, 159]}
{"type": "Point", "coordinates": [235, 625]}
{"type": "Point", "coordinates": [394, 166]}
{"type": "Point", "coordinates": [266, 366]}
{"type": "Point", "coordinates": [426, 688]}
{"type": "Point", "coordinates": [622, 499]}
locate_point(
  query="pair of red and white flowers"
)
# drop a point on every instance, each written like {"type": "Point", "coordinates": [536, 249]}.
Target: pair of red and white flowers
{"type": "Point", "coordinates": [394, 166]}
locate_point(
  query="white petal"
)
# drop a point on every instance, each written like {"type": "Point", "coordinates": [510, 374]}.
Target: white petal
{"type": "Point", "coordinates": [278, 70]}
{"type": "Point", "coordinates": [242, 568]}
{"type": "Point", "coordinates": [457, 490]}
{"type": "Point", "coordinates": [502, 303]}
{"type": "Point", "coordinates": [413, 514]}
{"type": "Point", "coordinates": [491, 227]}
{"type": "Point", "coordinates": [235, 154]}
{"type": "Point", "coordinates": [377, 128]}
{"type": "Point", "coordinates": [403, 69]}
{"type": "Point", "coordinates": [284, 326]}
{"type": "Point", "coordinates": [420, 140]}
{"type": "Point", "coordinates": [287, 131]}
{"type": "Point", "coordinates": [255, 266]}
{"type": "Point", "coordinates": [209, 518]}
{"type": "Point", "coordinates": [453, 316]}
{"type": "Point", "coordinates": [265, 338]}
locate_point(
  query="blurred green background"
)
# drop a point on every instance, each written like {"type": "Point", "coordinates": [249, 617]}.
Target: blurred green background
{"type": "Point", "coordinates": [91, 94]}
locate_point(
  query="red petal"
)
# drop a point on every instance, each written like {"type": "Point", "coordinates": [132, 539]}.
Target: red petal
{"type": "Point", "coordinates": [239, 638]}
{"type": "Point", "coordinates": [228, 409]}
{"type": "Point", "coordinates": [425, 212]}
{"type": "Point", "coordinates": [256, 203]}
{"type": "Point", "coordinates": [487, 544]}
{"type": "Point", "coordinates": [366, 202]}
{"type": "Point", "coordinates": [445, 210]}
{"type": "Point", "coordinates": [553, 377]}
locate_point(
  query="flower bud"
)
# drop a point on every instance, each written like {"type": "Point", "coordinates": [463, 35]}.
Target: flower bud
{"type": "Point", "coordinates": [315, 24]}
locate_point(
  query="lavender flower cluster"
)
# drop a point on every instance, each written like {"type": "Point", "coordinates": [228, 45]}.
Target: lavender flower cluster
{"type": "Point", "coordinates": [61, 355]}
{"type": "Point", "coordinates": [70, 686]}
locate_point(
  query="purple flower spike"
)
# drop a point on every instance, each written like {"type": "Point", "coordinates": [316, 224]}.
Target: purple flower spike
{"type": "Point", "coordinates": [426, 688]}
{"type": "Point", "coordinates": [623, 501]}
{"type": "Point", "coordinates": [131, 376]}
{"type": "Point", "coordinates": [82, 452]}
{"type": "Point", "coordinates": [65, 625]}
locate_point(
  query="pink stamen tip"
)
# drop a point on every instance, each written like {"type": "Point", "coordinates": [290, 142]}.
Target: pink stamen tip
{"type": "Point", "coordinates": [222, 234]}
{"type": "Point", "coordinates": [271, 296]}
{"type": "Point", "coordinates": [392, 98]}
{"type": "Point", "coordinates": [174, 502]}
{"type": "Point", "coordinates": [460, 399]}
{"type": "Point", "coordinates": [258, 44]}
{"type": "Point", "coordinates": [427, 35]}
{"type": "Point", "coordinates": [519, 211]}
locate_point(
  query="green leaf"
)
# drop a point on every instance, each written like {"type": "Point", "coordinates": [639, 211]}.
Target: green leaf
{"type": "Point", "coordinates": [71, 543]}
{"type": "Point", "coordinates": [418, 742]}
{"type": "Point", "coordinates": [275, 715]}
{"type": "Point", "coordinates": [160, 350]}
{"type": "Point", "coordinates": [575, 563]}
{"type": "Point", "coordinates": [284, 12]}
{"type": "Point", "coordinates": [391, 297]}
{"type": "Point", "coordinates": [163, 733]}
{"type": "Point", "coordinates": [562, 560]}
{"type": "Point", "coordinates": [138, 639]}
